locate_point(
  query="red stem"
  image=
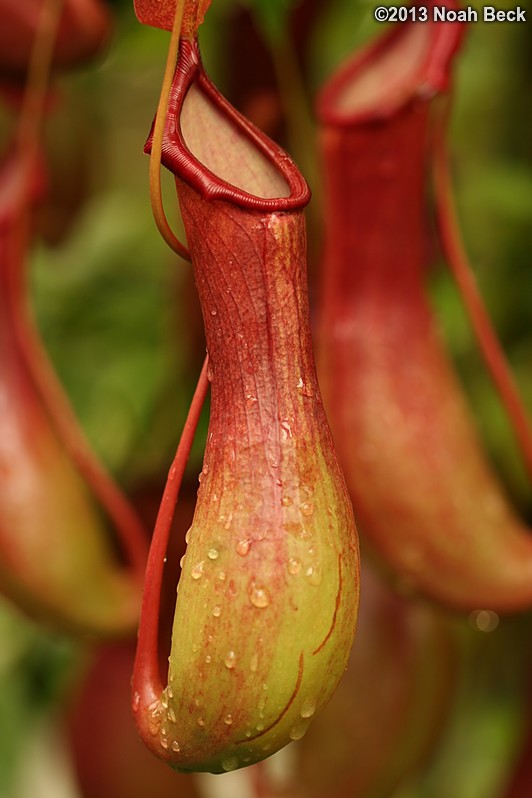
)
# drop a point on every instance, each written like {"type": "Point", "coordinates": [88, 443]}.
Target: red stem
{"type": "Point", "coordinates": [124, 518]}
{"type": "Point", "coordinates": [487, 339]}
{"type": "Point", "coordinates": [146, 674]}
{"type": "Point", "coordinates": [122, 515]}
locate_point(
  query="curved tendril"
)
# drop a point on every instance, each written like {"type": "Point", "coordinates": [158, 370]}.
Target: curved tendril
{"type": "Point", "coordinates": [146, 675]}
{"type": "Point", "coordinates": [158, 136]}
{"type": "Point", "coordinates": [456, 257]}
{"type": "Point", "coordinates": [30, 118]}
{"type": "Point", "coordinates": [130, 530]}
{"type": "Point", "coordinates": [57, 405]}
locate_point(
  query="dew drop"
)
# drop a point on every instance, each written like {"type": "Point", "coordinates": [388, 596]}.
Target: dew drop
{"type": "Point", "coordinates": [231, 763]}
{"type": "Point", "coordinates": [294, 566]}
{"type": "Point", "coordinates": [182, 561]}
{"type": "Point", "coordinates": [200, 722]}
{"type": "Point", "coordinates": [213, 554]}
{"type": "Point", "coordinates": [221, 576]}
{"type": "Point", "coordinates": [230, 660]}
{"type": "Point", "coordinates": [308, 708]}
{"type": "Point", "coordinates": [169, 692]}
{"type": "Point", "coordinates": [136, 701]}
{"type": "Point", "coordinates": [307, 508]}
{"type": "Point", "coordinates": [228, 521]}
{"type": "Point", "coordinates": [217, 611]}
{"type": "Point", "coordinates": [208, 659]}
{"type": "Point", "coordinates": [164, 743]}
{"type": "Point", "coordinates": [286, 501]}
{"type": "Point", "coordinates": [197, 571]}
{"type": "Point", "coordinates": [187, 537]}
{"type": "Point", "coordinates": [214, 312]}
{"type": "Point", "coordinates": [258, 596]}
{"type": "Point", "coordinates": [228, 720]}
{"type": "Point", "coordinates": [250, 400]}
{"type": "Point", "coordinates": [313, 574]}
{"type": "Point", "coordinates": [164, 700]}
{"type": "Point", "coordinates": [298, 730]}
{"type": "Point", "coordinates": [242, 547]}
{"type": "Point", "coordinates": [175, 746]}
{"type": "Point", "coordinates": [171, 715]}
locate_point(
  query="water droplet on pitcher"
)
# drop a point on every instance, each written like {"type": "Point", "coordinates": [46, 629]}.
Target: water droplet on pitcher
{"type": "Point", "coordinates": [308, 708]}
{"type": "Point", "coordinates": [242, 547]}
{"type": "Point", "coordinates": [307, 508]}
{"type": "Point", "coordinates": [171, 715]}
{"type": "Point", "coordinates": [258, 596]}
{"type": "Point", "coordinates": [201, 723]}
{"type": "Point", "coordinates": [214, 312]}
{"type": "Point", "coordinates": [175, 746]}
{"type": "Point", "coordinates": [228, 521]}
{"type": "Point", "coordinates": [208, 659]}
{"type": "Point", "coordinates": [217, 611]}
{"type": "Point", "coordinates": [182, 560]}
{"type": "Point", "coordinates": [221, 576]}
{"type": "Point", "coordinates": [254, 662]}
{"type": "Point", "coordinates": [213, 554]}
{"type": "Point", "coordinates": [250, 400]}
{"type": "Point", "coordinates": [230, 660]}
{"type": "Point", "coordinates": [197, 571]}
{"type": "Point", "coordinates": [136, 701]}
{"type": "Point", "coordinates": [313, 574]}
{"type": "Point", "coordinates": [298, 730]}
{"type": "Point", "coordinates": [231, 763]}
{"type": "Point", "coordinates": [286, 501]}
{"type": "Point", "coordinates": [294, 566]}
{"type": "Point", "coordinates": [228, 720]}
{"type": "Point", "coordinates": [164, 743]}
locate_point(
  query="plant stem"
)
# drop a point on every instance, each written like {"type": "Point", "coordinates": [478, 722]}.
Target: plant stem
{"type": "Point", "coordinates": [158, 136]}
{"type": "Point", "coordinates": [146, 675]}
{"type": "Point", "coordinates": [456, 256]}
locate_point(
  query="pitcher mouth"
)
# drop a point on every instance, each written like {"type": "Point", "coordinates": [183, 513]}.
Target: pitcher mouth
{"type": "Point", "coordinates": [412, 61]}
{"type": "Point", "coordinates": [260, 176]}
